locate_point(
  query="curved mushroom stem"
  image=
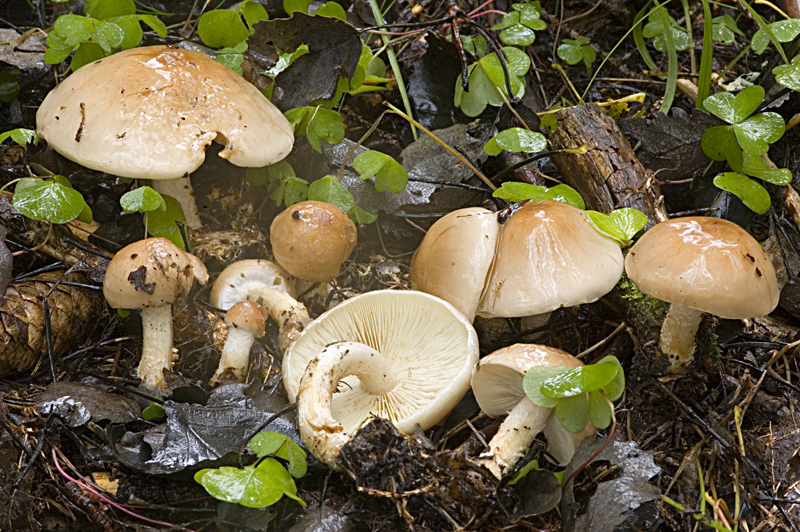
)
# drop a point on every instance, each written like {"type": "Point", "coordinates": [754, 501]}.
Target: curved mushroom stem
{"type": "Point", "coordinates": [235, 354]}
{"type": "Point", "coordinates": [514, 436]}
{"type": "Point", "coordinates": [157, 352]}
{"type": "Point", "coordinates": [181, 190]}
{"type": "Point", "coordinates": [320, 432]}
{"type": "Point", "coordinates": [677, 336]}
{"type": "Point", "coordinates": [562, 443]}
{"type": "Point", "coordinates": [290, 315]}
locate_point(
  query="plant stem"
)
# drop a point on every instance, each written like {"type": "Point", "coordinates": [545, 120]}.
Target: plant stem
{"type": "Point", "coordinates": [401, 86]}
{"type": "Point", "coordinates": [706, 58]}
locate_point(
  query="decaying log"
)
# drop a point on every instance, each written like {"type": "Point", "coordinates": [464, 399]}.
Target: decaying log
{"type": "Point", "coordinates": [608, 176]}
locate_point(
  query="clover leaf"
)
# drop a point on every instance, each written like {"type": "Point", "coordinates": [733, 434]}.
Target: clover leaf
{"type": "Point", "coordinates": [389, 174]}
{"type": "Point", "coordinates": [317, 123]}
{"type": "Point", "coordinates": [252, 487]}
{"type": "Point", "coordinates": [21, 136]}
{"type": "Point", "coordinates": [724, 29]}
{"type": "Point", "coordinates": [142, 199]}
{"type": "Point", "coordinates": [516, 192]}
{"type": "Point", "coordinates": [660, 22]}
{"type": "Point", "coordinates": [789, 75]}
{"type": "Point", "coordinates": [783, 30]}
{"type": "Point", "coordinates": [330, 190]}
{"type": "Point", "coordinates": [273, 443]}
{"type": "Point", "coordinates": [621, 224]}
{"type": "Point", "coordinates": [226, 28]}
{"type": "Point", "coordinates": [519, 25]}
{"type": "Point", "coordinates": [515, 139]}
{"type": "Point", "coordinates": [752, 193]}
{"type": "Point", "coordinates": [575, 51]}
{"type": "Point", "coordinates": [486, 77]}
{"type": "Point", "coordinates": [49, 200]}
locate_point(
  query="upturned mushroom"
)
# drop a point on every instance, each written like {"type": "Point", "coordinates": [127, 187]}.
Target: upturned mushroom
{"type": "Point", "coordinates": [267, 284]}
{"type": "Point", "coordinates": [151, 275]}
{"type": "Point", "coordinates": [701, 265]}
{"type": "Point", "coordinates": [149, 113]}
{"type": "Point", "coordinates": [312, 239]}
{"type": "Point", "coordinates": [245, 321]}
{"type": "Point", "coordinates": [401, 355]}
{"type": "Point", "coordinates": [497, 385]}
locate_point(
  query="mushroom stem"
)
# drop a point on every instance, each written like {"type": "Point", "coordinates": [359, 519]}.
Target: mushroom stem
{"type": "Point", "coordinates": [562, 443]}
{"type": "Point", "coordinates": [235, 354]}
{"type": "Point", "coordinates": [181, 190]}
{"type": "Point", "coordinates": [320, 432]}
{"type": "Point", "coordinates": [514, 436]}
{"type": "Point", "coordinates": [290, 315]}
{"type": "Point", "coordinates": [157, 352]}
{"type": "Point", "coordinates": [677, 336]}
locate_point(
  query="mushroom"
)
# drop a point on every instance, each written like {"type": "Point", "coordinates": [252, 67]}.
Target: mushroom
{"type": "Point", "coordinates": [245, 321]}
{"type": "Point", "coordinates": [701, 265]}
{"type": "Point", "coordinates": [312, 239]}
{"type": "Point", "coordinates": [266, 283]}
{"type": "Point", "coordinates": [151, 275]}
{"type": "Point", "coordinates": [403, 356]}
{"type": "Point", "coordinates": [149, 113]}
{"type": "Point", "coordinates": [497, 385]}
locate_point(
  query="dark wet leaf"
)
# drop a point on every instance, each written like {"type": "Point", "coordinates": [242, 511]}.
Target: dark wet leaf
{"type": "Point", "coordinates": [79, 403]}
{"type": "Point", "coordinates": [333, 51]}
{"type": "Point", "coordinates": [539, 491]}
{"type": "Point", "coordinates": [431, 85]}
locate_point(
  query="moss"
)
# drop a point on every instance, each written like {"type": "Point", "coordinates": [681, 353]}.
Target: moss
{"type": "Point", "coordinates": [706, 342]}
{"type": "Point", "coordinates": [645, 311]}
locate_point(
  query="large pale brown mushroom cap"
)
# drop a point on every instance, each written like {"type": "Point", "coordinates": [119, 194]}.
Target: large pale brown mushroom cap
{"type": "Point", "coordinates": [549, 256]}
{"type": "Point", "coordinates": [707, 264]}
{"type": "Point", "coordinates": [149, 273]}
{"type": "Point", "coordinates": [149, 112]}
{"type": "Point", "coordinates": [455, 256]}
{"type": "Point", "coordinates": [312, 239]}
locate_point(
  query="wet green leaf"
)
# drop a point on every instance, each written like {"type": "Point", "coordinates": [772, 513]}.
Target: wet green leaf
{"type": "Point", "coordinates": [232, 57]}
{"type": "Point", "coordinates": [330, 190]}
{"type": "Point", "coordinates": [719, 143]}
{"type": "Point", "coordinates": [290, 191]}
{"type": "Point", "coordinates": [724, 29]}
{"type": "Point", "coordinates": [750, 192]}
{"type": "Point", "coordinates": [755, 166]}
{"type": "Point", "coordinates": [142, 199]}
{"type": "Point", "coordinates": [252, 13]}
{"type": "Point", "coordinates": [290, 6]}
{"type": "Point", "coordinates": [273, 443]}
{"type": "Point", "coordinates": [518, 35]}
{"type": "Point", "coordinates": [757, 132]}
{"type": "Point", "coordinates": [318, 124]}
{"type": "Point", "coordinates": [486, 77]}
{"type": "Point", "coordinates": [273, 173]}
{"type": "Point", "coordinates": [515, 139]}
{"type": "Point", "coordinates": [389, 174]}
{"type": "Point", "coordinates": [162, 223]}
{"type": "Point", "coordinates": [735, 108]}
{"type": "Point", "coordinates": [74, 29]}
{"type": "Point", "coordinates": [606, 225]}
{"type": "Point", "coordinates": [360, 216]}
{"type": "Point", "coordinates": [21, 136]}
{"type": "Point", "coordinates": [616, 387]}
{"type": "Point", "coordinates": [516, 192]}
{"type": "Point", "coordinates": [86, 53]}
{"type": "Point", "coordinates": [599, 411]}
{"type": "Point", "coordinates": [221, 28]}
{"type": "Point", "coordinates": [579, 380]}
{"type": "Point", "coordinates": [104, 9]}
{"type": "Point", "coordinates": [252, 487]}
{"type": "Point", "coordinates": [784, 31]}
{"type": "Point", "coordinates": [575, 51]}
{"type": "Point", "coordinates": [631, 221]}
{"type": "Point", "coordinates": [155, 24]}
{"type": "Point", "coordinates": [789, 75]}
{"type": "Point", "coordinates": [131, 30]}
{"type": "Point", "coordinates": [331, 9]}
{"type": "Point", "coordinates": [533, 380]}
{"type": "Point", "coordinates": [45, 199]}
{"type": "Point", "coordinates": [153, 411]}
{"type": "Point", "coordinates": [573, 412]}
{"type": "Point", "coordinates": [475, 45]}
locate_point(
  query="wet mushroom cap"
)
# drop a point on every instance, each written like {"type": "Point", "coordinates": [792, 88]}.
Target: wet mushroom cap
{"type": "Point", "coordinates": [454, 258]}
{"type": "Point", "coordinates": [549, 256]}
{"type": "Point", "coordinates": [428, 344]}
{"type": "Point", "coordinates": [248, 317]}
{"type": "Point", "coordinates": [707, 264]}
{"type": "Point", "coordinates": [151, 272]}
{"type": "Point", "coordinates": [149, 113]}
{"type": "Point", "coordinates": [312, 239]}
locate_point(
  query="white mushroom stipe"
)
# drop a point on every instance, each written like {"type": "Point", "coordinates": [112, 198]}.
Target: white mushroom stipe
{"type": "Point", "coordinates": [157, 354]}
{"type": "Point", "coordinates": [235, 354]}
{"type": "Point", "coordinates": [514, 437]}
{"type": "Point", "coordinates": [290, 315]}
{"type": "Point", "coordinates": [320, 432]}
{"type": "Point", "coordinates": [677, 335]}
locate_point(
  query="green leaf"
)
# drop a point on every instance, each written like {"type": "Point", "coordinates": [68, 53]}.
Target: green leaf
{"type": "Point", "coordinates": [9, 87]}
{"type": "Point", "coordinates": [155, 24]}
{"type": "Point", "coordinates": [330, 190]}
{"type": "Point", "coordinates": [86, 53]}
{"type": "Point", "coordinates": [518, 35]}
{"type": "Point", "coordinates": [570, 52]}
{"type": "Point", "coordinates": [719, 144]}
{"type": "Point", "coordinates": [629, 220]}
{"type": "Point", "coordinates": [272, 443]}
{"type": "Point", "coordinates": [284, 61]}
{"type": "Point", "coordinates": [104, 9]}
{"type": "Point", "coordinates": [142, 199]}
{"type": "Point", "coordinates": [475, 45]}
{"type": "Point", "coordinates": [131, 29]}
{"type": "Point", "coordinates": [221, 28]}
{"type": "Point", "coordinates": [573, 412]}
{"type": "Point", "coordinates": [757, 132]}
{"type": "Point", "coordinates": [290, 6]}
{"type": "Point", "coordinates": [57, 49]}
{"type": "Point", "coordinates": [530, 466]}
{"type": "Point", "coordinates": [252, 13]}
{"type": "Point", "coordinates": [481, 93]}
{"type": "Point", "coordinates": [735, 108]}
{"type": "Point", "coordinates": [752, 194]}
{"type": "Point", "coordinates": [273, 173]}
{"type": "Point", "coordinates": [360, 216]}
{"type": "Point", "coordinates": [73, 29]}
{"type": "Point", "coordinates": [599, 411]}
{"type": "Point", "coordinates": [789, 75]}
{"type": "Point", "coordinates": [44, 199]}
{"type": "Point", "coordinates": [85, 215]}
{"type": "Point", "coordinates": [162, 223]}
{"type": "Point", "coordinates": [515, 139]}
{"type": "Point", "coordinates": [153, 411]}
{"type": "Point", "coordinates": [579, 380]}
{"type": "Point", "coordinates": [516, 192]}
{"type": "Point", "coordinates": [331, 9]}
{"type": "Point", "coordinates": [290, 191]}
{"type": "Point", "coordinates": [606, 225]}
{"type": "Point", "coordinates": [252, 487]}
{"type": "Point", "coordinates": [566, 194]}
{"type": "Point", "coordinates": [755, 166]}
{"type": "Point", "coordinates": [108, 35]}
{"type": "Point", "coordinates": [533, 380]}
{"type": "Point", "coordinates": [232, 57]}
{"type": "Point", "coordinates": [616, 387]}
{"type": "Point", "coordinates": [487, 76]}
{"type": "Point", "coordinates": [21, 136]}
{"type": "Point", "coordinates": [388, 173]}
{"type": "Point", "coordinates": [324, 124]}
{"type": "Point", "coordinates": [784, 31]}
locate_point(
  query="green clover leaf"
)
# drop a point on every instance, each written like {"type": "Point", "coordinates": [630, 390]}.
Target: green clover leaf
{"type": "Point", "coordinates": [389, 174]}
{"type": "Point", "coordinates": [515, 139]}
{"type": "Point", "coordinates": [752, 194]}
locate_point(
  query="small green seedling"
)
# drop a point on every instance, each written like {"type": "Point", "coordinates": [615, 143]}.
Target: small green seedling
{"type": "Point", "coordinates": [153, 411]}
{"type": "Point", "coordinates": [789, 75]}
{"type": "Point", "coordinates": [317, 123]}
{"type": "Point", "coordinates": [725, 30]}
{"type": "Point", "coordinates": [578, 395]}
{"type": "Point", "coordinates": [783, 30]}
{"type": "Point", "coordinates": [142, 199]}
{"type": "Point", "coordinates": [486, 78]}
{"type": "Point", "coordinates": [516, 140]}
{"type": "Point", "coordinates": [263, 483]}
{"type": "Point", "coordinates": [108, 26]}
{"type": "Point", "coordinates": [575, 51]}
{"type": "Point", "coordinates": [330, 190]}
{"type": "Point", "coordinates": [50, 199]}
{"type": "Point", "coordinates": [519, 26]}
{"type": "Point", "coordinates": [164, 222]}
{"type": "Point", "coordinates": [389, 174]}
{"type": "Point", "coordinates": [227, 28]}
{"type": "Point", "coordinates": [21, 136]}
{"type": "Point", "coordinates": [620, 225]}
{"type": "Point", "coordinates": [665, 31]}
{"type": "Point", "coordinates": [742, 143]}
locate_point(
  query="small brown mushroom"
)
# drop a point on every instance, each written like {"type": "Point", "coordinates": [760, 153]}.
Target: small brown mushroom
{"type": "Point", "coordinates": [245, 321]}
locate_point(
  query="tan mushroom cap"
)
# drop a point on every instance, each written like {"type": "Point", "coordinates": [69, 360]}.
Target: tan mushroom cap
{"type": "Point", "coordinates": [312, 239]}
{"type": "Point", "coordinates": [549, 256]}
{"type": "Point", "coordinates": [454, 258]}
{"type": "Point", "coordinates": [430, 347]}
{"type": "Point", "coordinates": [246, 277]}
{"type": "Point", "coordinates": [150, 273]}
{"type": "Point", "coordinates": [247, 316]}
{"type": "Point", "coordinates": [149, 112]}
{"type": "Point", "coordinates": [497, 381]}
{"type": "Point", "coordinates": [707, 264]}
